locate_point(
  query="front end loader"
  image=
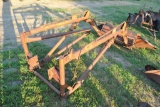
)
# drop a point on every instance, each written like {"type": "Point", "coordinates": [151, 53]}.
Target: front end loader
{"type": "Point", "coordinates": [107, 35]}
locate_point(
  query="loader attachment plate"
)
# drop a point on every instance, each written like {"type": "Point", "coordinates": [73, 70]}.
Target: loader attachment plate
{"type": "Point", "coordinates": [153, 73]}
{"type": "Point", "coordinates": [53, 73]}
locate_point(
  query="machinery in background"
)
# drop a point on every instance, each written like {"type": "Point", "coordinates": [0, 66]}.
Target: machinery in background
{"type": "Point", "coordinates": [149, 20]}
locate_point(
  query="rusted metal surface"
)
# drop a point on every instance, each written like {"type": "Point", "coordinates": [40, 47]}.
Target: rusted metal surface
{"type": "Point", "coordinates": [107, 35]}
{"type": "Point", "coordinates": [55, 35]}
{"type": "Point", "coordinates": [33, 62]}
{"type": "Point", "coordinates": [142, 43]}
{"type": "Point", "coordinates": [153, 73]}
{"type": "Point", "coordinates": [130, 40]}
{"type": "Point", "coordinates": [53, 74]}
